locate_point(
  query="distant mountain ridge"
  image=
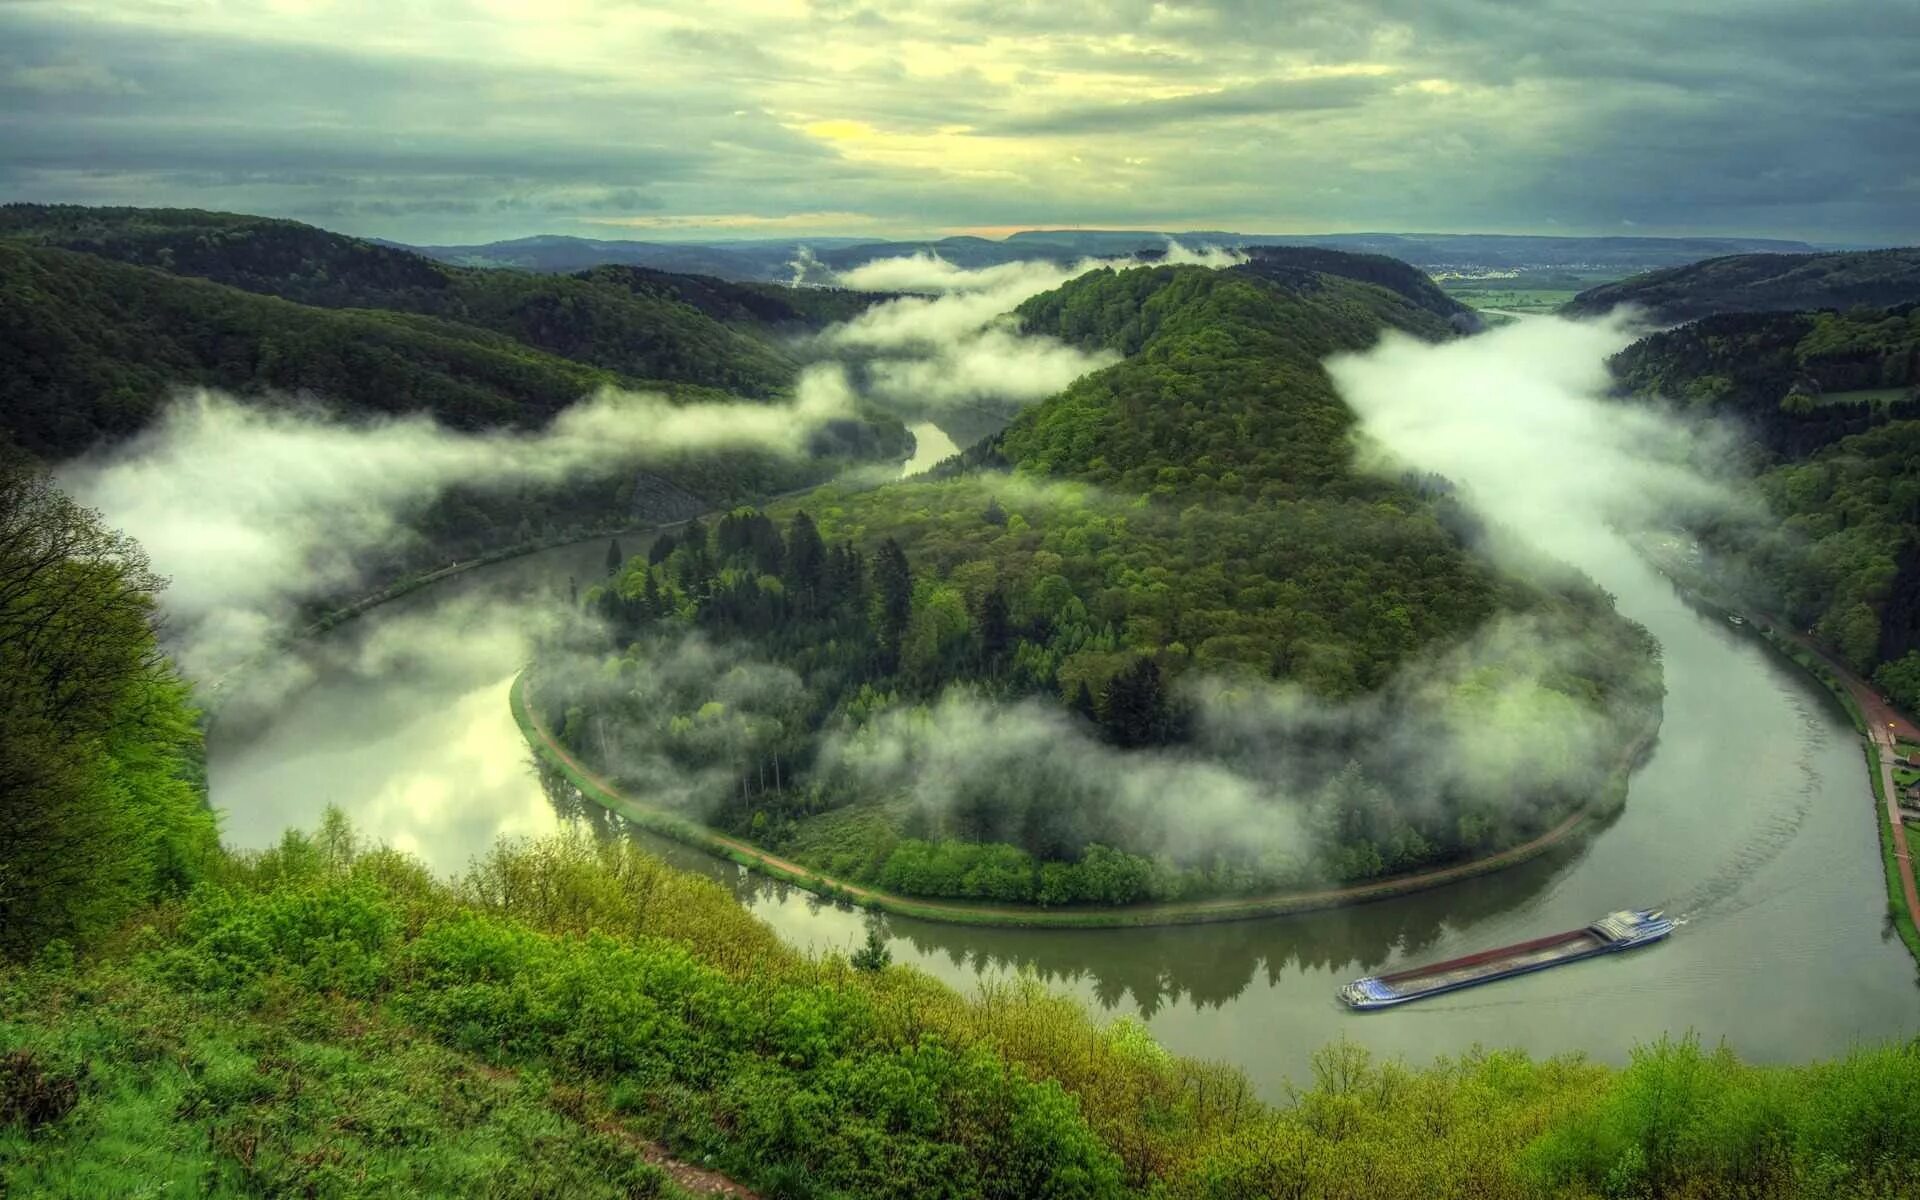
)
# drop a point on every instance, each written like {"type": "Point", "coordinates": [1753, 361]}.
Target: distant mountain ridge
{"type": "Point", "coordinates": [1753, 283]}
{"type": "Point", "coordinates": [782, 259]}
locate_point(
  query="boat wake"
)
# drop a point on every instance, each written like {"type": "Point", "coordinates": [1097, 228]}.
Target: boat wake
{"type": "Point", "coordinates": [1724, 892]}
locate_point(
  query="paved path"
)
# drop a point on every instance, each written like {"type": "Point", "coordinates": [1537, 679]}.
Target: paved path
{"type": "Point", "coordinates": [1886, 725]}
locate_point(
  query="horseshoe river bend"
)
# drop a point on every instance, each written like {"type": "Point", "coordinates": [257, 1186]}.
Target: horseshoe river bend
{"type": "Point", "coordinates": [1751, 818]}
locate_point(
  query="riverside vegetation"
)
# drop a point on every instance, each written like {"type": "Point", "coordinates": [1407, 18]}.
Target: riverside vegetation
{"type": "Point", "coordinates": [1829, 403]}
{"type": "Point", "coordinates": [326, 1018]}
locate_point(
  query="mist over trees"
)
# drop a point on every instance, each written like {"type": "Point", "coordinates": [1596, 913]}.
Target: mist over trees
{"type": "Point", "coordinates": [1031, 681]}
{"type": "Point", "coordinates": [1827, 409]}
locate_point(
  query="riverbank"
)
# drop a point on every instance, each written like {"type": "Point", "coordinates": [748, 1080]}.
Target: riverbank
{"type": "Point", "coordinates": [1185, 912]}
{"type": "Point", "coordinates": [1874, 719]}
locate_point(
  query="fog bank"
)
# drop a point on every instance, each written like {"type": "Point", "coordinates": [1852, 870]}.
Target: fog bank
{"type": "Point", "coordinates": [1518, 417]}
{"type": "Point", "coordinates": [248, 510]}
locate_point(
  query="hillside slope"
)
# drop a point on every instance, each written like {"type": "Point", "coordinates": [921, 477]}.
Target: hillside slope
{"type": "Point", "coordinates": [1748, 283]}
{"type": "Point", "coordinates": [654, 326]}
{"type": "Point", "coordinates": [1830, 405]}
{"type": "Point", "coordinates": [90, 349]}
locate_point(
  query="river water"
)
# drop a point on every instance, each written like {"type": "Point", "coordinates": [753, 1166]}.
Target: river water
{"type": "Point", "coordinates": [1752, 818]}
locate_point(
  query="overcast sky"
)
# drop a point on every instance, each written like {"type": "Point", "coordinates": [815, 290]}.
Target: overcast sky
{"type": "Point", "coordinates": [465, 120]}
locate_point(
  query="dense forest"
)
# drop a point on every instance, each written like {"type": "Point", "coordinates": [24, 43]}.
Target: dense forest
{"type": "Point", "coordinates": [326, 1018]}
{"type": "Point", "coordinates": [1829, 406]}
{"type": "Point", "coordinates": [105, 313]}
{"type": "Point", "coordinates": [1167, 542]}
{"type": "Point", "coordinates": [1760, 283]}
{"type": "Point", "coordinates": [641, 323]}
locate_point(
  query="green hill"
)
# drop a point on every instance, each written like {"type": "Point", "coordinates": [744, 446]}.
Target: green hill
{"type": "Point", "coordinates": [90, 349]}
{"type": "Point", "coordinates": [1750, 283]}
{"type": "Point", "coordinates": [1190, 513]}
{"type": "Point", "coordinates": [645, 324]}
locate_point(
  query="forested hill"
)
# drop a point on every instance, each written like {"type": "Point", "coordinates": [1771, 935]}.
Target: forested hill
{"type": "Point", "coordinates": [104, 313]}
{"type": "Point", "coordinates": [1223, 393]}
{"type": "Point", "coordinates": [1188, 516]}
{"type": "Point", "coordinates": [1296, 263]}
{"type": "Point", "coordinates": [91, 349]}
{"type": "Point", "coordinates": [1748, 283]}
{"type": "Point", "coordinates": [644, 324]}
{"type": "Point", "coordinates": [1830, 404]}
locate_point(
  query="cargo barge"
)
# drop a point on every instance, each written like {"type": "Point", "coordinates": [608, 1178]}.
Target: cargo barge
{"type": "Point", "coordinates": [1615, 931]}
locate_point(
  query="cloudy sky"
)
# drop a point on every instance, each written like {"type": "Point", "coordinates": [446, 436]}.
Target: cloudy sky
{"type": "Point", "coordinates": [457, 120]}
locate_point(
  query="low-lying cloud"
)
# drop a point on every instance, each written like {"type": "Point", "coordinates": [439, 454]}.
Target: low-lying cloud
{"type": "Point", "coordinates": [250, 510]}
{"type": "Point", "coordinates": [1519, 418]}
{"type": "Point", "coordinates": [958, 344]}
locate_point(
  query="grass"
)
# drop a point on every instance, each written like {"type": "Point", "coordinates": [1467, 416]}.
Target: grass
{"type": "Point", "coordinates": [150, 1093]}
{"type": "Point", "coordinates": [1516, 299]}
{"type": "Point", "coordinates": [961, 912]}
{"type": "Point", "coordinates": [333, 1022]}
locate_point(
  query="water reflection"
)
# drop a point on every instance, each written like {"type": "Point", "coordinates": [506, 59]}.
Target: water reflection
{"type": "Point", "coordinates": [1137, 970]}
{"type": "Point", "coordinates": [931, 445]}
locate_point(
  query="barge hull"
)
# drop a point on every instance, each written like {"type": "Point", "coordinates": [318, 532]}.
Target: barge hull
{"type": "Point", "coordinates": [1617, 931]}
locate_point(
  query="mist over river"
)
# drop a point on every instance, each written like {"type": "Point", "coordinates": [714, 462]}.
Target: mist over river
{"type": "Point", "coordinates": [1751, 818]}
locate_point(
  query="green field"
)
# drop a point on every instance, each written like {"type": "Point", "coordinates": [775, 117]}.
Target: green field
{"type": "Point", "coordinates": [1516, 299]}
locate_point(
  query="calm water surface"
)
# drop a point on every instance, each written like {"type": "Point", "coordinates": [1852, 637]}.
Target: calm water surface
{"type": "Point", "coordinates": [1752, 818]}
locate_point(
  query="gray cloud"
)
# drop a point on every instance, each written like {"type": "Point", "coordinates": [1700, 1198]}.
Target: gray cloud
{"type": "Point", "coordinates": [1263, 99]}
{"type": "Point", "coordinates": [1757, 116]}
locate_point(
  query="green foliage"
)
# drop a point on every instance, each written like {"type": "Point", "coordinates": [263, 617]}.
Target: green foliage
{"type": "Point", "coordinates": [155, 1089]}
{"type": "Point", "coordinates": [1684, 1121]}
{"type": "Point", "coordinates": [538, 1028]}
{"type": "Point", "coordinates": [873, 955]}
{"type": "Point", "coordinates": [100, 789]}
{"type": "Point", "coordinates": [637, 324]}
{"type": "Point", "coordinates": [1901, 680]}
{"type": "Point", "coordinates": [1829, 401]}
{"type": "Point", "coordinates": [765, 1072]}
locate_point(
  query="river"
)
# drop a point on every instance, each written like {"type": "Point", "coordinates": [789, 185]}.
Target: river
{"type": "Point", "coordinates": [1751, 818]}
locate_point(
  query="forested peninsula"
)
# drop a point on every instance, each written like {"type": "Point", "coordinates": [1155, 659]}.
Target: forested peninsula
{"type": "Point", "coordinates": [1163, 638]}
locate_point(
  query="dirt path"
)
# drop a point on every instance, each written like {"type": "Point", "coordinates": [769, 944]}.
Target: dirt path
{"type": "Point", "coordinates": [1173, 913]}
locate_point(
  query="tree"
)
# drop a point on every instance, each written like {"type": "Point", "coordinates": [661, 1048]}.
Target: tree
{"type": "Point", "coordinates": [615, 558]}
{"type": "Point", "coordinates": [1136, 710]}
{"type": "Point", "coordinates": [893, 600]}
{"type": "Point", "coordinates": [995, 628]}
{"type": "Point", "coordinates": [99, 797]}
{"type": "Point", "coordinates": [874, 955]}
{"type": "Point", "coordinates": [936, 633]}
{"type": "Point", "coordinates": [1083, 703]}
{"type": "Point", "coordinates": [806, 562]}
{"type": "Point", "coordinates": [846, 578]}
{"type": "Point", "coordinates": [662, 548]}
